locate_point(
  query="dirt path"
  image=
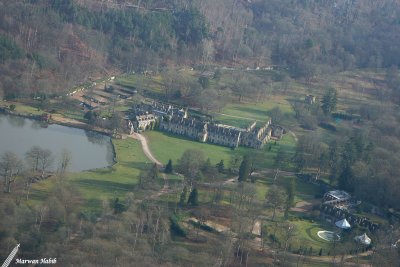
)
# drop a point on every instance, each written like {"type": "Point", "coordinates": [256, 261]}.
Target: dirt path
{"type": "Point", "coordinates": [146, 148]}
{"type": "Point", "coordinates": [294, 136]}
{"type": "Point", "coordinates": [150, 156]}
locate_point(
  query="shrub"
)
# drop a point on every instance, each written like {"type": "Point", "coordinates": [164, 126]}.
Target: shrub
{"type": "Point", "coordinates": [327, 126]}
{"type": "Point", "coordinates": [176, 228]}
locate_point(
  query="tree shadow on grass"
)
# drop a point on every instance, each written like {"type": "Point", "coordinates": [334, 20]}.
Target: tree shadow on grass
{"type": "Point", "coordinates": [136, 165]}
{"type": "Point", "coordinates": [106, 185]}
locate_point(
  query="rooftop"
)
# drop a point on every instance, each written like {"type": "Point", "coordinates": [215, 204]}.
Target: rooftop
{"type": "Point", "coordinates": [338, 194]}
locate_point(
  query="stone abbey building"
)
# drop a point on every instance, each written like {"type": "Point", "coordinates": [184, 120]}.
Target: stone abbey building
{"type": "Point", "coordinates": [174, 120]}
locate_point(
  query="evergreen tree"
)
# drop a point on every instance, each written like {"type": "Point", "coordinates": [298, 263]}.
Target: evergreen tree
{"type": "Point", "coordinates": [347, 179]}
{"type": "Point", "coordinates": [182, 199]}
{"type": "Point", "coordinates": [244, 169]}
{"type": "Point", "coordinates": [168, 167]}
{"type": "Point", "coordinates": [118, 206]}
{"type": "Point", "coordinates": [220, 166]}
{"type": "Point", "coordinates": [193, 197]}
{"type": "Point", "coordinates": [329, 101]}
{"type": "Point", "coordinates": [291, 190]}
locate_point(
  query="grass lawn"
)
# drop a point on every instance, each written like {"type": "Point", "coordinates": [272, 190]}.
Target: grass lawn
{"type": "Point", "coordinates": [243, 114]}
{"type": "Point", "coordinates": [165, 146]}
{"type": "Point", "coordinates": [106, 183]}
{"type": "Point", "coordinates": [306, 235]}
{"type": "Point", "coordinates": [22, 108]}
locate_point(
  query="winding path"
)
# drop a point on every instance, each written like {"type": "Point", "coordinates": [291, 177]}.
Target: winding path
{"type": "Point", "coordinates": [257, 242]}
{"type": "Point", "coordinates": [150, 156]}
{"type": "Point", "coordinates": [146, 149]}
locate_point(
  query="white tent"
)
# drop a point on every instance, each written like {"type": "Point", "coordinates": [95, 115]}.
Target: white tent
{"type": "Point", "coordinates": [363, 239]}
{"type": "Point", "coordinates": [343, 224]}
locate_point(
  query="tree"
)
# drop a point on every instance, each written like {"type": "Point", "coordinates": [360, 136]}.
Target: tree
{"type": "Point", "coordinates": [168, 167]}
{"type": "Point", "coordinates": [329, 101]}
{"type": "Point", "coordinates": [190, 163]}
{"type": "Point", "coordinates": [10, 167]}
{"type": "Point", "coordinates": [147, 177]}
{"type": "Point", "coordinates": [275, 198]}
{"type": "Point", "coordinates": [217, 75]}
{"type": "Point", "coordinates": [153, 172]}
{"type": "Point", "coordinates": [291, 191]}
{"type": "Point", "coordinates": [116, 122]}
{"type": "Point", "coordinates": [118, 207]}
{"type": "Point", "coordinates": [234, 162]}
{"type": "Point", "coordinates": [220, 166]}
{"type": "Point", "coordinates": [244, 169]}
{"type": "Point", "coordinates": [32, 158]}
{"type": "Point", "coordinates": [207, 167]}
{"type": "Point", "coordinates": [193, 197]}
{"type": "Point", "coordinates": [182, 198]}
{"type": "Point", "coordinates": [280, 160]}
{"type": "Point", "coordinates": [45, 161]}
{"type": "Point", "coordinates": [65, 162]}
{"type": "Point", "coordinates": [91, 117]}
{"type": "Point", "coordinates": [276, 115]}
{"type": "Point", "coordinates": [204, 82]}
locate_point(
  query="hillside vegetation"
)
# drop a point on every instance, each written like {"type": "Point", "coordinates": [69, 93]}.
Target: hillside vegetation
{"type": "Point", "coordinates": [49, 46]}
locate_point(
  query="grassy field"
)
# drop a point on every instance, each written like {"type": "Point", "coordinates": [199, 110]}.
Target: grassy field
{"type": "Point", "coordinates": [243, 114]}
{"type": "Point", "coordinates": [166, 146]}
{"type": "Point", "coordinates": [106, 183]}
{"type": "Point", "coordinates": [22, 108]}
{"type": "Point", "coordinates": [306, 235]}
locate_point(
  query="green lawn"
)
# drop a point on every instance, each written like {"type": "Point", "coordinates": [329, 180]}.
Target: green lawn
{"type": "Point", "coordinates": [106, 183]}
{"type": "Point", "coordinates": [306, 235]}
{"type": "Point", "coordinates": [243, 114]}
{"type": "Point", "coordinates": [165, 146]}
{"type": "Point", "coordinates": [22, 108]}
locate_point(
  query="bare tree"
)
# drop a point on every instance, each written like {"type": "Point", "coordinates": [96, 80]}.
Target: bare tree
{"type": "Point", "coordinates": [45, 161]}
{"type": "Point", "coordinates": [32, 158]}
{"type": "Point", "coordinates": [65, 162]}
{"type": "Point", "coordinates": [275, 198]}
{"type": "Point", "coordinates": [10, 167]}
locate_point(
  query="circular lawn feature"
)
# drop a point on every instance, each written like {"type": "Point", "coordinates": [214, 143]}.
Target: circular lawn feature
{"type": "Point", "coordinates": [328, 236]}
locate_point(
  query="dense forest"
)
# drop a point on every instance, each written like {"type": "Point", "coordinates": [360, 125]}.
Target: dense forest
{"type": "Point", "coordinates": [231, 62]}
{"type": "Point", "coordinates": [53, 45]}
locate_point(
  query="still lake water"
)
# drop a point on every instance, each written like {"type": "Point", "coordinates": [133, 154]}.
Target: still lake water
{"type": "Point", "coordinates": [89, 150]}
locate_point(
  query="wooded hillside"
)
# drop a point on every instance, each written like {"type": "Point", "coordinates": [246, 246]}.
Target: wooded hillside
{"type": "Point", "coordinates": [49, 46]}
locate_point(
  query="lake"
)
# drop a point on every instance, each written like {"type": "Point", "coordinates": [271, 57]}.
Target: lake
{"type": "Point", "coordinates": [89, 150]}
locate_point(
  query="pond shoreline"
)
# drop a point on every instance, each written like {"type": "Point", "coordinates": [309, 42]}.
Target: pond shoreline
{"type": "Point", "coordinates": [68, 123]}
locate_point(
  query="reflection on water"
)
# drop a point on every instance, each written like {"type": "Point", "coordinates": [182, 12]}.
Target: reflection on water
{"type": "Point", "coordinates": [89, 150]}
{"type": "Point", "coordinates": [16, 121]}
{"type": "Point", "coordinates": [96, 138]}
